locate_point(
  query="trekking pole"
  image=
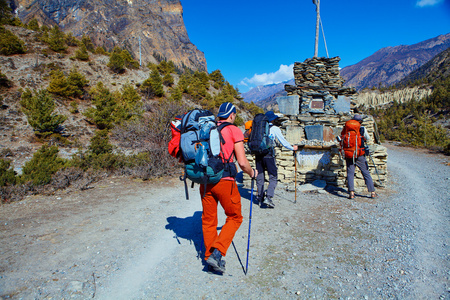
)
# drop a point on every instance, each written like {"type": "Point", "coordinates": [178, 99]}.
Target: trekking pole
{"type": "Point", "coordinates": [249, 226]}
{"type": "Point", "coordinates": [376, 170]}
{"type": "Point", "coordinates": [295, 180]}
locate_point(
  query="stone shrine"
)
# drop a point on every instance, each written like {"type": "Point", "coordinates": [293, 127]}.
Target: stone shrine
{"type": "Point", "coordinates": [312, 115]}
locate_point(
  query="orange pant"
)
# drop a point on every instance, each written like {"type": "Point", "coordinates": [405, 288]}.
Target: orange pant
{"type": "Point", "coordinates": [227, 193]}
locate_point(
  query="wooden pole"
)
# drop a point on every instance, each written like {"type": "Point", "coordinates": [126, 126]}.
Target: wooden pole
{"type": "Point", "coordinates": [316, 47]}
{"type": "Point", "coordinates": [295, 180]}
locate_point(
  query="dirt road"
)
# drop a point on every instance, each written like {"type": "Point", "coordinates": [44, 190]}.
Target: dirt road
{"type": "Point", "coordinates": [128, 239]}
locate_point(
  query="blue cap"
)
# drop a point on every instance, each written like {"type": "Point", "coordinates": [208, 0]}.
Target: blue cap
{"type": "Point", "coordinates": [271, 116]}
{"type": "Point", "coordinates": [226, 109]}
{"type": "Point", "coordinates": [357, 118]}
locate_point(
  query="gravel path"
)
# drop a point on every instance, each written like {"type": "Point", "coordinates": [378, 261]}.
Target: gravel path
{"type": "Point", "coordinates": [142, 240]}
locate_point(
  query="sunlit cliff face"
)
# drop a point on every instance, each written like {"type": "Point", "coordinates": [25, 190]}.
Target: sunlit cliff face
{"type": "Point", "coordinates": [157, 23]}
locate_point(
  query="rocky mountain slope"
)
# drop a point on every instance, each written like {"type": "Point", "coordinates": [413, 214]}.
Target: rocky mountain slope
{"type": "Point", "coordinates": [391, 64]}
{"type": "Point", "coordinates": [437, 68]}
{"type": "Point", "coordinates": [158, 25]}
{"type": "Point", "coordinates": [262, 92]}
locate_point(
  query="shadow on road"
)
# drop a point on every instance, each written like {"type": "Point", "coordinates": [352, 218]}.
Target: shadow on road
{"type": "Point", "coordinates": [189, 228]}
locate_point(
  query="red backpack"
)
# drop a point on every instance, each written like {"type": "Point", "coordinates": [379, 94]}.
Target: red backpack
{"type": "Point", "coordinates": [174, 144]}
{"type": "Point", "coordinates": [351, 140]}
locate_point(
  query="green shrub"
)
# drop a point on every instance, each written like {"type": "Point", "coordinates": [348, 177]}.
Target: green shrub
{"type": "Point", "coordinates": [71, 86]}
{"type": "Point", "coordinates": [153, 86]}
{"type": "Point", "coordinates": [100, 50]}
{"type": "Point", "coordinates": [167, 80]}
{"type": "Point", "coordinates": [100, 154]}
{"type": "Point", "coordinates": [5, 13]}
{"type": "Point", "coordinates": [86, 40]}
{"type": "Point", "coordinates": [10, 43]}
{"type": "Point", "coordinates": [56, 40]}
{"type": "Point", "coordinates": [116, 63]}
{"type": "Point", "coordinates": [217, 77]}
{"type": "Point", "coordinates": [176, 94]}
{"type": "Point", "coordinates": [121, 59]}
{"type": "Point", "coordinates": [58, 83]}
{"type": "Point", "coordinates": [7, 174]}
{"type": "Point", "coordinates": [44, 163]}
{"type": "Point", "coordinates": [166, 68]}
{"type": "Point", "coordinates": [77, 82]}
{"type": "Point", "coordinates": [4, 81]}
{"type": "Point", "coordinates": [129, 104]}
{"type": "Point", "coordinates": [39, 111]}
{"type": "Point", "coordinates": [81, 53]}
{"type": "Point", "coordinates": [102, 115]}
{"type": "Point", "coordinates": [33, 25]}
{"type": "Point", "coordinates": [100, 143]}
{"type": "Point", "coordinates": [74, 107]}
{"type": "Point", "coordinates": [70, 40]}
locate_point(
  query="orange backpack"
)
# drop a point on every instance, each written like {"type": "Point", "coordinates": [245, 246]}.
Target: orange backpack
{"type": "Point", "coordinates": [351, 140]}
{"type": "Point", "coordinates": [248, 130]}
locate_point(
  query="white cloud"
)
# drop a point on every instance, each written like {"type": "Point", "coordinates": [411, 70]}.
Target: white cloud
{"type": "Point", "coordinates": [423, 3]}
{"type": "Point", "coordinates": [284, 73]}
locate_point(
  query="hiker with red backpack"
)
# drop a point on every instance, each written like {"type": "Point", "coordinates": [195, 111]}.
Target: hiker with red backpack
{"type": "Point", "coordinates": [224, 192]}
{"type": "Point", "coordinates": [261, 143]}
{"type": "Point", "coordinates": [353, 138]}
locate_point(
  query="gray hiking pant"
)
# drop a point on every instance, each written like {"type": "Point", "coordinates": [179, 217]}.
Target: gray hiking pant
{"type": "Point", "coordinates": [266, 163]}
{"type": "Point", "coordinates": [361, 162]}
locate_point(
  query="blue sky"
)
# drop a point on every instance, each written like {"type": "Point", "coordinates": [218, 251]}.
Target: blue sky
{"type": "Point", "coordinates": [256, 42]}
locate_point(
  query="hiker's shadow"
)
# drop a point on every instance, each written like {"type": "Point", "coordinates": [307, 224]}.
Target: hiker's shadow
{"type": "Point", "coordinates": [337, 191]}
{"type": "Point", "coordinates": [189, 228]}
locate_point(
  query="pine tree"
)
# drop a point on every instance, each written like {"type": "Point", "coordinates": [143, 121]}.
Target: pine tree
{"type": "Point", "coordinates": [33, 25]}
{"type": "Point", "coordinates": [10, 43]}
{"type": "Point", "coordinates": [116, 62]}
{"type": "Point", "coordinates": [128, 104]}
{"type": "Point", "coordinates": [56, 40]}
{"type": "Point", "coordinates": [81, 53]}
{"type": "Point", "coordinates": [39, 111]}
{"type": "Point", "coordinates": [102, 114]}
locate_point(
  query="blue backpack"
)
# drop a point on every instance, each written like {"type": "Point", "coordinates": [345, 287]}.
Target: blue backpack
{"type": "Point", "coordinates": [200, 145]}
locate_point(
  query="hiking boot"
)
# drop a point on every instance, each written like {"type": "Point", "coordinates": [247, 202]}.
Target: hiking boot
{"type": "Point", "coordinates": [268, 202]}
{"type": "Point", "coordinates": [215, 262]}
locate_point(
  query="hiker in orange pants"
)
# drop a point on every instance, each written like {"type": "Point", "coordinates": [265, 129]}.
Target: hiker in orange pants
{"type": "Point", "coordinates": [224, 192]}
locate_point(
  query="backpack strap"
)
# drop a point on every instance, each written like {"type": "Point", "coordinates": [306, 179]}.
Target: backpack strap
{"type": "Point", "coordinates": [230, 168]}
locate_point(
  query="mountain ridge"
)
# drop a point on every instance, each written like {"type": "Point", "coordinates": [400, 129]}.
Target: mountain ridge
{"type": "Point", "coordinates": [392, 71]}
{"type": "Point", "coordinates": [389, 65]}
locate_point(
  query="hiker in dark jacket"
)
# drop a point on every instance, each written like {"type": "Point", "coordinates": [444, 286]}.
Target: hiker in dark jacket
{"type": "Point", "coordinates": [361, 162]}
{"type": "Point", "coordinates": [268, 163]}
{"type": "Point", "coordinates": [224, 192]}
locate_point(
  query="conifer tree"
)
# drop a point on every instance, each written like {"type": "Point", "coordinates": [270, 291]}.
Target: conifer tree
{"type": "Point", "coordinates": [5, 12]}
{"type": "Point", "coordinates": [81, 53]}
{"type": "Point", "coordinates": [116, 62]}
{"type": "Point", "coordinates": [86, 41]}
{"type": "Point", "coordinates": [153, 86]}
{"type": "Point", "coordinates": [102, 114]}
{"type": "Point", "coordinates": [39, 111]}
{"type": "Point", "coordinates": [10, 43]}
{"type": "Point", "coordinates": [58, 83]}
{"type": "Point", "coordinates": [56, 40]}
{"type": "Point", "coordinates": [128, 104]}
{"type": "Point", "coordinates": [33, 25]}
{"type": "Point", "coordinates": [77, 82]}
